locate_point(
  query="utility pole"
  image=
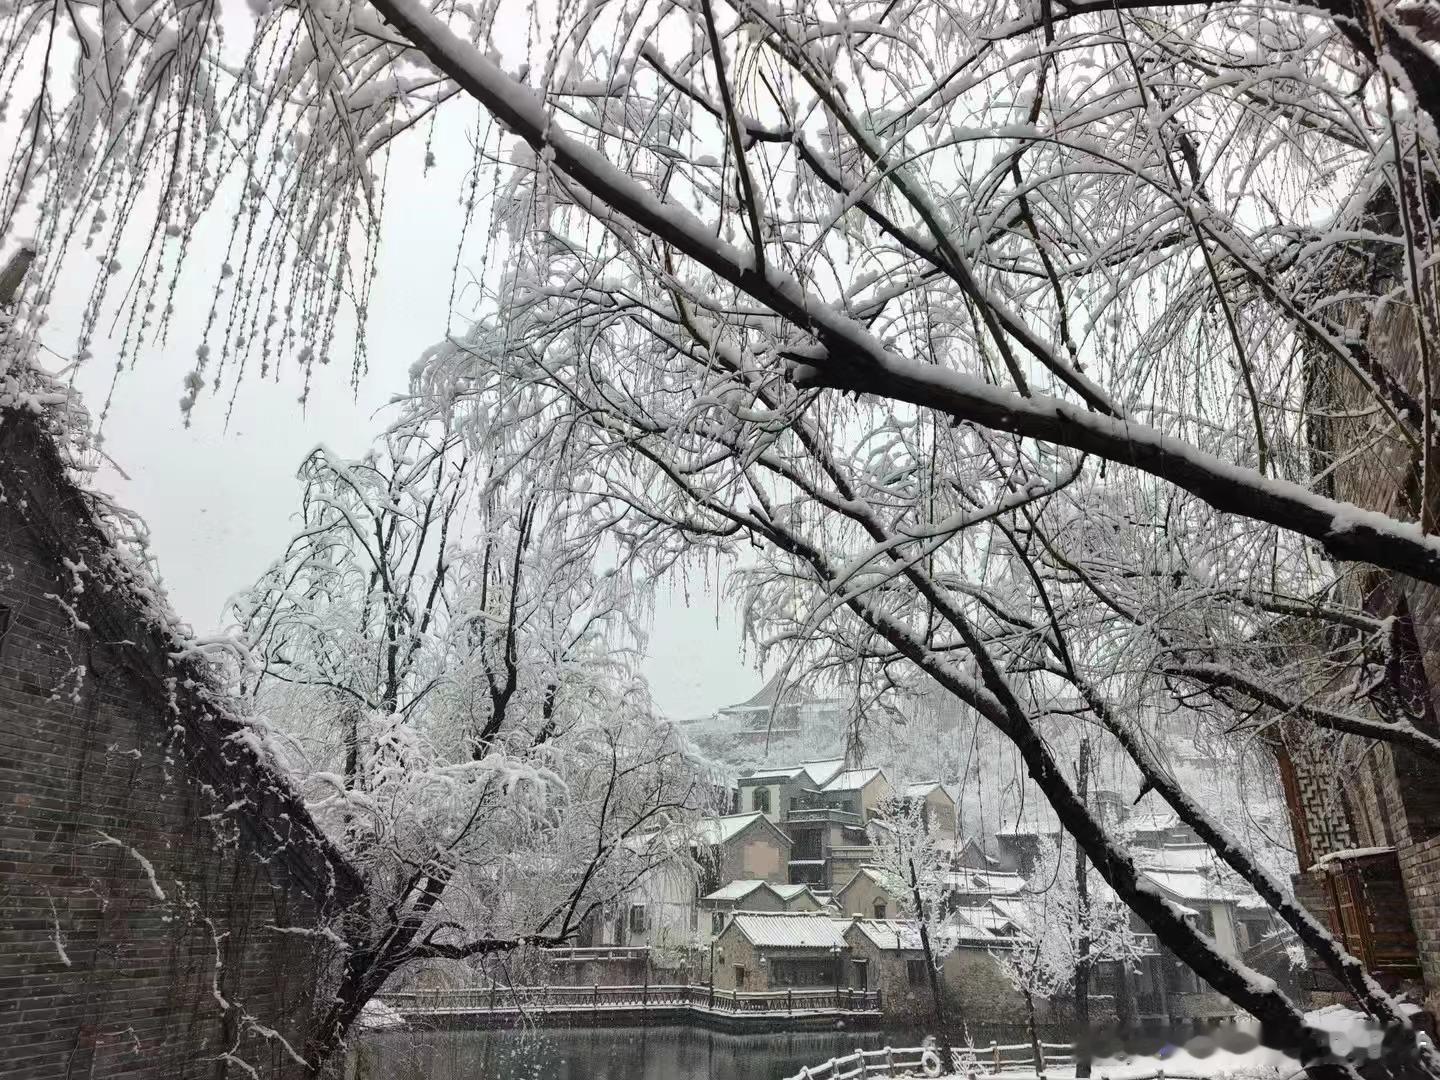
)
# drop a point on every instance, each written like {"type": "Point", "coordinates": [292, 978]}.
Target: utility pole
{"type": "Point", "coordinates": [1082, 960]}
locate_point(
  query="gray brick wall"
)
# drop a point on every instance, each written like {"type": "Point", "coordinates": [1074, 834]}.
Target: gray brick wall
{"type": "Point", "coordinates": [99, 975]}
{"type": "Point", "coordinates": [1391, 794]}
{"type": "Point", "coordinates": [1420, 870]}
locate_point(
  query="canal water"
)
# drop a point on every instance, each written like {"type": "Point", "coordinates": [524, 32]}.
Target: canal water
{"type": "Point", "coordinates": [607, 1053]}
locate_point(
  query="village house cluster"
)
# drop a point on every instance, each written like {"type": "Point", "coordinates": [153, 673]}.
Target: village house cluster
{"type": "Point", "coordinates": [792, 892]}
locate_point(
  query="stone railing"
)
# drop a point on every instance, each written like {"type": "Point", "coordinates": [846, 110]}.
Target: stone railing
{"type": "Point", "coordinates": [561, 999]}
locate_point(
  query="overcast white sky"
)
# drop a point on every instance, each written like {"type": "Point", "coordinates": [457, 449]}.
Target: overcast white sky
{"type": "Point", "coordinates": [219, 502]}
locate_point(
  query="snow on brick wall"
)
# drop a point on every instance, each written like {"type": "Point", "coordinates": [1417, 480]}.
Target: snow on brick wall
{"type": "Point", "coordinates": [1396, 799]}
{"type": "Point", "coordinates": [135, 937]}
{"type": "Point", "coordinates": [1420, 870]}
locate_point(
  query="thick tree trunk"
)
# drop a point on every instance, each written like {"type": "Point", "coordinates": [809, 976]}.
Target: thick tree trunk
{"type": "Point", "coordinates": [363, 978]}
{"type": "Point", "coordinates": [1035, 1049]}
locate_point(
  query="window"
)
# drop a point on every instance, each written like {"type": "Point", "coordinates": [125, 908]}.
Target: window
{"type": "Point", "coordinates": [803, 972]}
{"type": "Point", "coordinates": [760, 800]}
{"type": "Point", "coordinates": [717, 922]}
{"type": "Point", "coordinates": [801, 874]}
{"type": "Point", "coordinates": [637, 918]}
{"type": "Point", "coordinates": [806, 844]}
{"type": "Point", "coordinates": [739, 976]}
{"type": "Point", "coordinates": [694, 917]}
{"type": "Point", "coordinates": [915, 972]}
{"type": "Point", "coordinates": [880, 909]}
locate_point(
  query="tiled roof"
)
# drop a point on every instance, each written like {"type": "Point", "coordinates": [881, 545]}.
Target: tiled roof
{"type": "Point", "coordinates": [973, 926]}
{"type": "Point", "coordinates": [922, 788]}
{"type": "Point", "coordinates": [851, 780]}
{"type": "Point", "coordinates": [1190, 887]}
{"type": "Point", "coordinates": [1037, 820]}
{"type": "Point", "coordinates": [766, 696]}
{"type": "Point", "coordinates": [1178, 857]}
{"type": "Point", "coordinates": [821, 773]}
{"type": "Point", "coordinates": [890, 934]}
{"type": "Point", "coordinates": [788, 929]}
{"type": "Point", "coordinates": [718, 830]}
{"type": "Point", "coordinates": [891, 883]}
{"type": "Point", "coordinates": [987, 918]}
{"type": "Point", "coordinates": [787, 773]}
{"type": "Point", "coordinates": [788, 892]}
{"type": "Point", "coordinates": [1153, 819]}
{"type": "Point", "coordinates": [1012, 910]}
{"type": "Point", "coordinates": [995, 882]}
{"type": "Point", "coordinates": [817, 773]}
{"type": "Point", "coordinates": [736, 890]}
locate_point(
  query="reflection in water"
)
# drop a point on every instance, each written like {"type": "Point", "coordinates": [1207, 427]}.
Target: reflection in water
{"type": "Point", "coordinates": [614, 1053]}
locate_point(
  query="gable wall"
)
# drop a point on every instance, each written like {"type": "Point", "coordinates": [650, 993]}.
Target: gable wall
{"type": "Point", "coordinates": [759, 855]}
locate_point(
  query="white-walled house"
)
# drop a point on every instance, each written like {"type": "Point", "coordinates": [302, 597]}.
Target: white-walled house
{"type": "Point", "coordinates": [663, 910]}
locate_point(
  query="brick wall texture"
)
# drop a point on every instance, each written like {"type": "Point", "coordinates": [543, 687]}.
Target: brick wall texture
{"type": "Point", "coordinates": [1390, 795]}
{"type": "Point", "coordinates": [138, 915]}
{"type": "Point", "coordinates": [1420, 870]}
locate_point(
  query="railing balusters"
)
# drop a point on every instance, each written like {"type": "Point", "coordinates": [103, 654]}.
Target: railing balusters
{"type": "Point", "coordinates": [780, 1002]}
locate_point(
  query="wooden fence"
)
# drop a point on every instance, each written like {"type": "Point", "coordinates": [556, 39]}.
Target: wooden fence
{"type": "Point", "coordinates": [989, 1060]}
{"type": "Point", "coordinates": [1013, 1062]}
{"type": "Point", "coordinates": [558, 999]}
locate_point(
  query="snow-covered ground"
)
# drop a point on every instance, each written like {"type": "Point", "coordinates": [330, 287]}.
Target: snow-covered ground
{"type": "Point", "coordinates": [1352, 1035]}
{"type": "Point", "coordinates": [1255, 1064]}
{"type": "Point", "coordinates": [1259, 1063]}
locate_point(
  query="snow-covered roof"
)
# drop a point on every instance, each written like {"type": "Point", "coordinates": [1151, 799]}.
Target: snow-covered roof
{"type": "Point", "coordinates": [852, 779]}
{"type": "Point", "coordinates": [736, 890]}
{"type": "Point", "coordinates": [1011, 910]}
{"type": "Point", "coordinates": [766, 697]}
{"type": "Point", "coordinates": [1159, 819]}
{"type": "Point", "coordinates": [987, 918]}
{"type": "Point", "coordinates": [1036, 819]}
{"type": "Point", "coordinates": [1190, 887]}
{"type": "Point", "coordinates": [890, 934]}
{"type": "Point", "coordinates": [973, 849]}
{"type": "Point", "coordinates": [1178, 857]}
{"type": "Point", "coordinates": [789, 772]}
{"type": "Point", "coordinates": [922, 788]}
{"type": "Point", "coordinates": [719, 830]}
{"type": "Point", "coordinates": [997, 882]}
{"type": "Point", "coordinates": [976, 926]}
{"type": "Point", "coordinates": [788, 892]}
{"type": "Point", "coordinates": [814, 773]}
{"type": "Point", "coordinates": [788, 929]}
{"type": "Point", "coordinates": [821, 773]}
{"type": "Point", "coordinates": [884, 878]}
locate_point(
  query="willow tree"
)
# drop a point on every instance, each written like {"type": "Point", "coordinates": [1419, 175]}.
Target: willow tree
{"type": "Point", "coordinates": [448, 675]}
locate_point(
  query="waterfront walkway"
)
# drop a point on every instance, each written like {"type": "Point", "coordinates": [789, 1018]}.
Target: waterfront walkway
{"type": "Point", "coordinates": [728, 1009]}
